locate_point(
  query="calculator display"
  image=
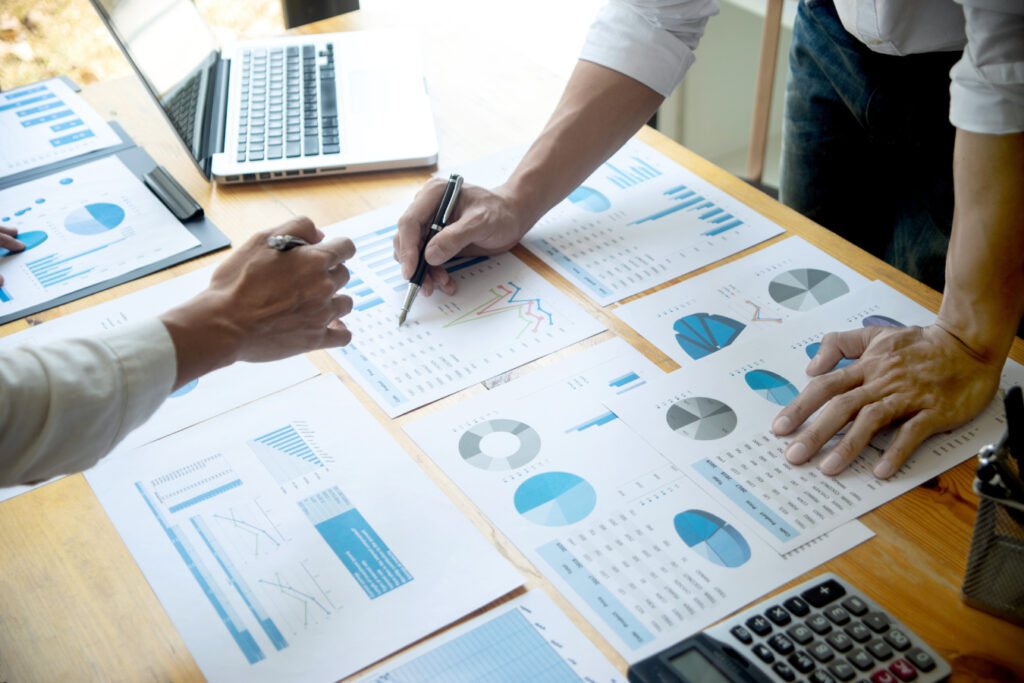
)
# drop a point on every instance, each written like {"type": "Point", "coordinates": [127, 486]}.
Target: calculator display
{"type": "Point", "coordinates": [697, 668]}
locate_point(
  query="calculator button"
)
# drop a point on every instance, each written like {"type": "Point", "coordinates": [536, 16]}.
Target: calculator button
{"type": "Point", "coordinates": [837, 615]}
{"type": "Point", "coordinates": [897, 639]}
{"type": "Point", "coordinates": [759, 625]}
{"type": "Point", "coordinates": [801, 634]}
{"type": "Point", "coordinates": [797, 606]}
{"type": "Point", "coordinates": [803, 663]}
{"type": "Point", "coordinates": [877, 622]}
{"type": "Point", "coordinates": [842, 670]}
{"type": "Point", "coordinates": [883, 676]}
{"type": "Point", "coordinates": [778, 615]}
{"type": "Point", "coordinates": [855, 605]}
{"type": "Point", "coordinates": [781, 644]}
{"type": "Point", "coordinates": [921, 659]}
{"type": "Point", "coordinates": [839, 640]}
{"type": "Point", "coordinates": [824, 593]}
{"type": "Point", "coordinates": [903, 670]}
{"type": "Point", "coordinates": [763, 653]}
{"type": "Point", "coordinates": [742, 634]}
{"type": "Point", "coordinates": [821, 676]}
{"type": "Point", "coordinates": [879, 649]}
{"type": "Point", "coordinates": [783, 672]}
{"type": "Point", "coordinates": [858, 632]}
{"type": "Point", "coordinates": [821, 651]}
{"type": "Point", "coordinates": [861, 659]}
{"type": "Point", "coordinates": [819, 624]}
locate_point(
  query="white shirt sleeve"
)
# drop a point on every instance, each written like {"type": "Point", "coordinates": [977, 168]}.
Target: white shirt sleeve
{"type": "Point", "coordinates": [651, 41]}
{"type": "Point", "coordinates": [987, 91]}
{"type": "Point", "coordinates": [66, 404]}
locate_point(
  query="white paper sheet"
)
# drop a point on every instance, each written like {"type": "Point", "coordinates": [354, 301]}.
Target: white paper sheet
{"type": "Point", "coordinates": [503, 315]}
{"type": "Point", "coordinates": [640, 220]}
{"type": "Point", "coordinates": [293, 540]}
{"type": "Point", "coordinates": [46, 122]}
{"type": "Point", "coordinates": [198, 400]}
{"type": "Point", "coordinates": [526, 639]}
{"type": "Point", "coordinates": [755, 295]}
{"type": "Point", "coordinates": [713, 420]}
{"type": "Point", "coordinates": [644, 554]}
{"type": "Point", "coordinates": [82, 226]}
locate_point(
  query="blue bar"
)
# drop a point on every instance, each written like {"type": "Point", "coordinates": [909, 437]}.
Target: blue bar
{"type": "Point", "coordinates": [354, 283]}
{"type": "Point", "coordinates": [40, 260]}
{"type": "Point", "coordinates": [4, 296]}
{"type": "Point", "coordinates": [727, 226]}
{"type": "Point", "coordinates": [395, 265]}
{"type": "Point", "coordinates": [378, 379]}
{"type": "Point", "coordinates": [205, 496]}
{"type": "Point", "coordinates": [64, 126]}
{"type": "Point", "coordinates": [395, 278]}
{"type": "Point", "coordinates": [709, 214]}
{"type": "Point", "coordinates": [660, 214]}
{"type": "Point", "coordinates": [702, 205]}
{"type": "Point", "coordinates": [375, 233]}
{"type": "Point", "coordinates": [375, 254]}
{"type": "Point", "coordinates": [375, 243]}
{"type": "Point", "coordinates": [617, 183]}
{"type": "Point", "coordinates": [648, 166]}
{"type": "Point", "coordinates": [365, 292]}
{"type": "Point", "coordinates": [625, 379]}
{"type": "Point", "coordinates": [46, 275]}
{"type": "Point", "coordinates": [400, 287]}
{"type": "Point", "coordinates": [33, 100]}
{"type": "Point", "coordinates": [41, 107]}
{"type": "Point", "coordinates": [6, 107]}
{"type": "Point", "coordinates": [722, 219]}
{"type": "Point", "coordinates": [675, 189]}
{"type": "Point", "coordinates": [692, 201]}
{"type": "Point", "coordinates": [596, 422]}
{"type": "Point", "coordinates": [26, 91]}
{"type": "Point", "coordinates": [684, 195]}
{"type": "Point", "coordinates": [631, 387]}
{"type": "Point", "coordinates": [625, 624]}
{"type": "Point", "coordinates": [383, 261]}
{"type": "Point", "coordinates": [466, 264]}
{"type": "Point", "coordinates": [745, 500]}
{"type": "Point", "coordinates": [73, 137]}
{"type": "Point", "coordinates": [67, 277]}
{"type": "Point", "coordinates": [44, 119]}
{"type": "Point", "coordinates": [369, 304]}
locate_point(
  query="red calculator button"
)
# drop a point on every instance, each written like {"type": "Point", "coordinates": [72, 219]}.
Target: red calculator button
{"type": "Point", "coordinates": [883, 676]}
{"type": "Point", "coordinates": [904, 669]}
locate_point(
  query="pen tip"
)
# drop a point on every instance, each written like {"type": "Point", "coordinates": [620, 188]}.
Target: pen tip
{"type": "Point", "coordinates": [401, 318]}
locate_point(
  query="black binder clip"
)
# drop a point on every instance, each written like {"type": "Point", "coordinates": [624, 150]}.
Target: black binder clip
{"type": "Point", "coordinates": [173, 195]}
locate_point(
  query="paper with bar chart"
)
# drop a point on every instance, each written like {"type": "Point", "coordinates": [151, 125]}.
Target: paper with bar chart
{"type": "Point", "coordinates": [80, 227]}
{"type": "Point", "coordinates": [526, 639]}
{"type": "Point", "coordinates": [47, 122]}
{"type": "Point", "coordinates": [503, 315]}
{"type": "Point", "coordinates": [741, 300]}
{"type": "Point", "coordinates": [638, 548]}
{"type": "Point", "coordinates": [639, 220]}
{"type": "Point", "coordinates": [713, 421]}
{"type": "Point", "coordinates": [292, 539]}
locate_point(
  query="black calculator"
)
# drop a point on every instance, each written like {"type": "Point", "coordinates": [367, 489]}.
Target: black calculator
{"type": "Point", "coordinates": [822, 631]}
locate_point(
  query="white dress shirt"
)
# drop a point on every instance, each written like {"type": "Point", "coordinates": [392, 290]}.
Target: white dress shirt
{"type": "Point", "coordinates": [64, 405]}
{"type": "Point", "coordinates": [653, 41]}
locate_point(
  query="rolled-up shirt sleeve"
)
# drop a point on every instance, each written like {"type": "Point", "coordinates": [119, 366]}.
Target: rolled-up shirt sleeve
{"type": "Point", "coordinates": [65, 404]}
{"type": "Point", "coordinates": [987, 89]}
{"type": "Point", "coordinates": [651, 41]}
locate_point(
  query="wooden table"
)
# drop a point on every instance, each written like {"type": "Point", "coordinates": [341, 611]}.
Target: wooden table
{"type": "Point", "coordinates": [75, 606]}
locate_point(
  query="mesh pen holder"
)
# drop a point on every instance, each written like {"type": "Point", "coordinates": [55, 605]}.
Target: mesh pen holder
{"type": "Point", "coordinates": [994, 581]}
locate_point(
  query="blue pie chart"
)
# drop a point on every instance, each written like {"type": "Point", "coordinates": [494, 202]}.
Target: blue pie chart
{"type": "Point", "coordinates": [713, 539]}
{"type": "Point", "coordinates": [880, 321]}
{"type": "Point", "coordinates": [555, 499]}
{"type": "Point", "coordinates": [812, 351]}
{"type": "Point", "coordinates": [775, 388]}
{"type": "Point", "coordinates": [589, 199]}
{"type": "Point", "coordinates": [94, 219]}
{"type": "Point", "coordinates": [30, 239]}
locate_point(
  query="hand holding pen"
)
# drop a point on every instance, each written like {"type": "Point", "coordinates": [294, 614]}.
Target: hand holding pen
{"type": "Point", "coordinates": [441, 218]}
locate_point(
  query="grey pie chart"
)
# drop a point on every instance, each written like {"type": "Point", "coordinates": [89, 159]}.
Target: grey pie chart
{"type": "Point", "coordinates": [803, 289]}
{"type": "Point", "coordinates": [472, 449]}
{"type": "Point", "coordinates": [703, 419]}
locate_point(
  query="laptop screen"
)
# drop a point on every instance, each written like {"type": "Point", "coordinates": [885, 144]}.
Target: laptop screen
{"type": "Point", "coordinates": [172, 49]}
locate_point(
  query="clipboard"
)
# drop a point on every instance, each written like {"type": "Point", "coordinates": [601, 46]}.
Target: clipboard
{"type": "Point", "coordinates": [159, 182]}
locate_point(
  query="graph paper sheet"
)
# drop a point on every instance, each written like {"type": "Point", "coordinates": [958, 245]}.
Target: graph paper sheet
{"type": "Point", "coordinates": [526, 639]}
{"type": "Point", "coordinates": [713, 421]}
{"type": "Point", "coordinates": [503, 315]}
{"type": "Point", "coordinates": [293, 540]}
{"type": "Point", "coordinates": [638, 221]}
{"type": "Point", "coordinates": [82, 226]}
{"type": "Point", "coordinates": [628, 538]}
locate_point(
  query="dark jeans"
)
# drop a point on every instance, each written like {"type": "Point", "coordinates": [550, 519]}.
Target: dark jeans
{"type": "Point", "coordinates": [867, 143]}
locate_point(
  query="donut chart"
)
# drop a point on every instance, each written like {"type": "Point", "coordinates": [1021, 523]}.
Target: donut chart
{"type": "Point", "coordinates": [474, 451]}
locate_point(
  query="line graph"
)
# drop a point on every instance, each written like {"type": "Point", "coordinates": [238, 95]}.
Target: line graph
{"type": "Point", "coordinates": [250, 531]}
{"type": "Point", "coordinates": [297, 595]}
{"type": "Point", "coordinates": [756, 315]}
{"type": "Point", "coordinates": [504, 300]}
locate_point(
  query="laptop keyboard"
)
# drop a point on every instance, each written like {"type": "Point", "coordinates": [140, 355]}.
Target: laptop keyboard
{"type": "Point", "coordinates": [288, 105]}
{"type": "Point", "coordinates": [181, 109]}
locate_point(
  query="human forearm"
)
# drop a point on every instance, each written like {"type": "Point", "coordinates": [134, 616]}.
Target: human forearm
{"type": "Point", "coordinates": [984, 297]}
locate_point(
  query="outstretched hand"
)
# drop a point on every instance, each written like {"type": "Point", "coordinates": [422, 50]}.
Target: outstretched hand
{"type": "Point", "coordinates": [484, 222]}
{"type": "Point", "coordinates": [925, 378]}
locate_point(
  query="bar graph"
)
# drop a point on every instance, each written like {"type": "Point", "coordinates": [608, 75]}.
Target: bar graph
{"type": "Point", "coordinates": [620, 385]}
{"type": "Point", "coordinates": [288, 452]}
{"type": "Point", "coordinates": [194, 483]}
{"type": "Point", "coordinates": [57, 268]}
{"type": "Point", "coordinates": [638, 171]}
{"type": "Point", "coordinates": [694, 202]}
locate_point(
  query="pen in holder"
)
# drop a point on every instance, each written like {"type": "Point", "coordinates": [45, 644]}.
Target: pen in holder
{"type": "Point", "coordinates": [994, 581]}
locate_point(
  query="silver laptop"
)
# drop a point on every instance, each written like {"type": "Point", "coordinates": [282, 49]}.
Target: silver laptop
{"type": "Point", "coordinates": [280, 107]}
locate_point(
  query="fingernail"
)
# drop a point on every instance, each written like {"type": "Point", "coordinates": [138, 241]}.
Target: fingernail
{"type": "Point", "coordinates": [833, 464]}
{"type": "Point", "coordinates": [782, 425]}
{"type": "Point", "coordinates": [796, 453]}
{"type": "Point", "coordinates": [884, 469]}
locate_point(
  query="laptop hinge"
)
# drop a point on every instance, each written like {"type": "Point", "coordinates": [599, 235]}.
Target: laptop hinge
{"type": "Point", "coordinates": [214, 127]}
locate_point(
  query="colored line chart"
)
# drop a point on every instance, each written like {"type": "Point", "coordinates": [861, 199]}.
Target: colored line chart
{"type": "Point", "coordinates": [756, 316]}
{"type": "Point", "coordinates": [504, 301]}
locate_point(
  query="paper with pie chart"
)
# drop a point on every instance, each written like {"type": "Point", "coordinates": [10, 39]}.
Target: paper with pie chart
{"type": "Point", "coordinates": [82, 226]}
{"type": "Point", "coordinates": [713, 421]}
{"type": "Point", "coordinates": [639, 549]}
{"type": "Point", "coordinates": [756, 295]}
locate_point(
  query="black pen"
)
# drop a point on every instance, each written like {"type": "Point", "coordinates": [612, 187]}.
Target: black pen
{"type": "Point", "coordinates": [444, 212]}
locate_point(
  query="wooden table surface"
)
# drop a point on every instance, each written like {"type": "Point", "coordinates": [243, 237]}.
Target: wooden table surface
{"type": "Point", "coordinates": [75, 606]}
